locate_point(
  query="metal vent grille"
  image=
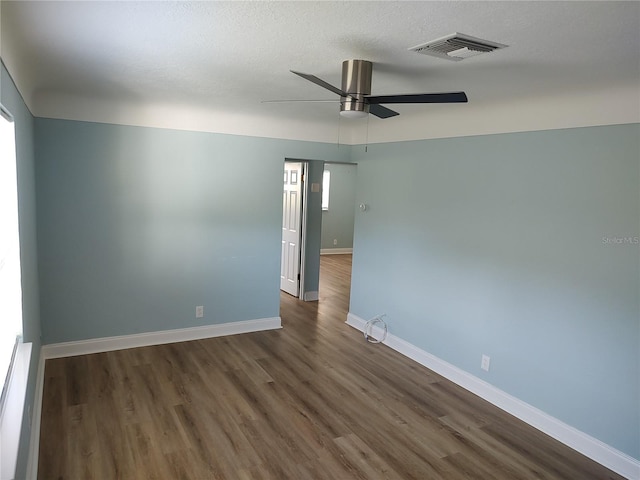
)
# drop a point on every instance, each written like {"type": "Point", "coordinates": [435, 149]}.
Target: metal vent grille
{"type": "Point", "coordinates": [456, 47]}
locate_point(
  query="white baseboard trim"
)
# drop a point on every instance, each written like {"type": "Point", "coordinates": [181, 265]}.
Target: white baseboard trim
{"type": "Point", "coordinates": [36, 416]}
{"type": "Point", "coordinates": [335, 251]}
{"type": "Point", "coordinates": [589, 446]}
{"type": "Point", "coordinates": [107, 344]}
{"type": "Point", "coordinates": [310, 296]}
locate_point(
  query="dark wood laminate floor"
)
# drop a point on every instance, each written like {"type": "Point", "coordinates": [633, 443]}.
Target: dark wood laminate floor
{"type": "Point", "coordinates": [311, 401]}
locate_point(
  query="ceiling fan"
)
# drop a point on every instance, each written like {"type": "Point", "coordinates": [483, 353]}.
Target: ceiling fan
{"type": "Point", "coordinates": [355, 95]}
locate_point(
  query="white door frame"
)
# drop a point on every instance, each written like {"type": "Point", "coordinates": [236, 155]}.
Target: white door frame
{"type": "Point", "coordinates": [303, 236]}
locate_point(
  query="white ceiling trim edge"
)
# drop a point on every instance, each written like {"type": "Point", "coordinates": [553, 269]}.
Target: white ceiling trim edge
{"type": "Point", "coordinates": [618, 105]}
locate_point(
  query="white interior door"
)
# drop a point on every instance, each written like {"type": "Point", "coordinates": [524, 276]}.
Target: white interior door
{"type": "Point", "coordinates": [291, 228]}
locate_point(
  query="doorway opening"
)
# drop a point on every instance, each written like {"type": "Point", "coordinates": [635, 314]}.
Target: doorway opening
{"type": "Point", "coordinates": [338, 218]}
{"type": "Point", "coordinates": [309, 271]}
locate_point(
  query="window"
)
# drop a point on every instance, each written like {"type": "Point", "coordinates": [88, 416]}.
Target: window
{"type": "Point", "coordinates": [15, 355]}
{"type": "Point", "coordinates": [326, 181]}
{"type": "Point", "coordinates": [10, 283]}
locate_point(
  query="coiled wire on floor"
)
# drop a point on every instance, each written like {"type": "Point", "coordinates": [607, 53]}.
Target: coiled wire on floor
{"type": "Point", "coordinates": [369, 326]}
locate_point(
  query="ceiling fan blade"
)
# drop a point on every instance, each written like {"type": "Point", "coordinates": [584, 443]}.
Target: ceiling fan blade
{"type": "Point", "coordinates": [451, 97]}
{"type": "Point", "coordinates": [381, 112]}
{"type": "Point", "coordinates": [321, 83]}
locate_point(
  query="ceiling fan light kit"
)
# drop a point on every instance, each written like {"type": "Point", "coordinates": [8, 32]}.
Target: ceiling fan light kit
{"type": "Point", "coordinates": [356, 100]}
{"type": "Point", "coordinates": [350, 110]}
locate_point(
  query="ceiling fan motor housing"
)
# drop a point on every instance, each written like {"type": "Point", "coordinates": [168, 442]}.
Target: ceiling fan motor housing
{"type": "Point", "coordinates": [356, 81]}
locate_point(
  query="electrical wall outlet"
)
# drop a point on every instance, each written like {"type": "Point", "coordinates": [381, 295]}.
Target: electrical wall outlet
{"type": "Point", "coordinates": [199, 311]}
{"type": "Point", "coordinates": [335, 241]}
{"type": "Point", "coordinates": [484, 364]}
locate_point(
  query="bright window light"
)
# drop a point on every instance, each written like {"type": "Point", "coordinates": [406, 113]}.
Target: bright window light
{"type": "Point", "coordinates": [326, 181]}
{"type": "Point", "coordinates": [10, 283]}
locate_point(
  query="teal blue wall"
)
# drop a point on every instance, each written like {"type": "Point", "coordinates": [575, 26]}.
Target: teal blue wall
{"type": "Point", "coordinates": [498, 245]}
{"type": "Point", "coordinates": [137, 226]}
{"type": "Point", "coordinates": [337, 222]}
{"type": "Point", "coordinates": [24, 128]}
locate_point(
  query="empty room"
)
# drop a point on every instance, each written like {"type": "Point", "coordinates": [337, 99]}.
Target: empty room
{"type": "Point", "coordinates": [320, 240]}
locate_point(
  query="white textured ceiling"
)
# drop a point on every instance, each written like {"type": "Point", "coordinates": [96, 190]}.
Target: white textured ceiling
{"type": "Point", "coordinates": [208, 65]}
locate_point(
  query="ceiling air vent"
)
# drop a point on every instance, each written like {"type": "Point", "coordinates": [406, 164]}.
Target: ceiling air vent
{"type": "Point", "coordinates": [456, 47]}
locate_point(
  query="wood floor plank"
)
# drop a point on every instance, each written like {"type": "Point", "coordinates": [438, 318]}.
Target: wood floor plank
{"type": "Point", "coordinates": [82, 443]}
{"type": "Point", "coordinates": [146, 455]}
{"type": "Point", "coordinates": [54, 425]}
{"type": "Point", "coordinates": [370, 463]}
{"type": "Point", "coordinates": [313, 401]}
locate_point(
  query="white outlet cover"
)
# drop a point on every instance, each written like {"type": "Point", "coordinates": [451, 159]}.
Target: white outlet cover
{"type": "Point", "coordinates": [486, 361]}
{"type": "Point", "coordinates": [199, 312]}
